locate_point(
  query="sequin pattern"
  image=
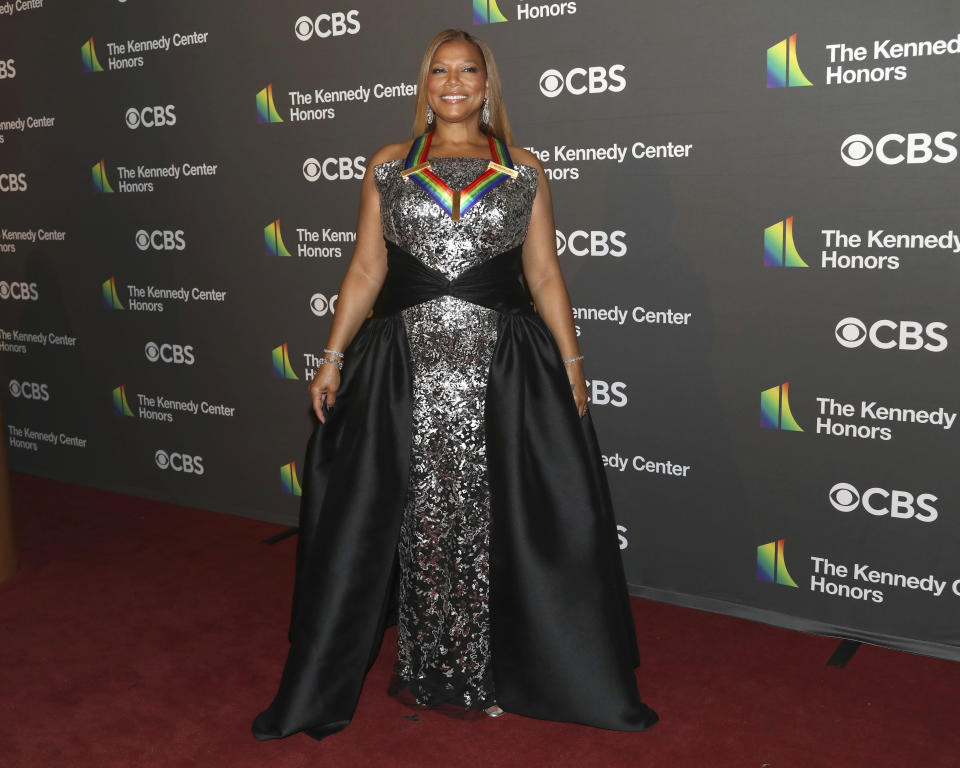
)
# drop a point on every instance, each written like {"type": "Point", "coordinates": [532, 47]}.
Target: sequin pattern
{"type": "Point", "coordinates": [443, 629]}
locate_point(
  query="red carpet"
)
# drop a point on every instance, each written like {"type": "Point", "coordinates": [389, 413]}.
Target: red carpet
{"type": "Point", "coordinates": [145, 634]}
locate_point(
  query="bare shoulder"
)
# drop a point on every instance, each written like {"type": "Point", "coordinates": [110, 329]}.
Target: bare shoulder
{"type": "Point", "coordinates": [388, 152]}
{"type": "Point", "coordinates": [525, 156]}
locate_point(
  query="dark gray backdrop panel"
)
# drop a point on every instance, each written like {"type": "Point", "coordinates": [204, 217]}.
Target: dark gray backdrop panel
{"type": "Point", "coordinates": [678, 235]}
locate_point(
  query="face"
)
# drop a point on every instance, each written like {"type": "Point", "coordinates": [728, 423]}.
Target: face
{"type": "Point", "coordinates": [456, 81]}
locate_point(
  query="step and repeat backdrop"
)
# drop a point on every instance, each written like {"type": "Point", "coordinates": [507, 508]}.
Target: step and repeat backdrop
{"type": "Point", "coordinates": [757, 218]}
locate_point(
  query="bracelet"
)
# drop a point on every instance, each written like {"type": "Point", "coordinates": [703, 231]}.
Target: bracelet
{"type": "Point", "coordinates": [573, 359]}
{"type": "Point", "coordinates": [338, 363]}
{"type": "Point", "coordinates": [334, 352]}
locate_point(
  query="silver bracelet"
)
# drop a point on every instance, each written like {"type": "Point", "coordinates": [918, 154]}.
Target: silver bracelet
{"type": "Point", "coordinates": [334, 352]}
{"type": "Point", "coordinates": [338, 363]}
{"type": "Point", "coordinates": [573, 359]}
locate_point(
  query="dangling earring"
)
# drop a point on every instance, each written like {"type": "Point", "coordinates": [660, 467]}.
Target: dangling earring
{"type": "Point", "coordinates": [485, 112]}
{"type": "Point", "coordinates": [429, 115]}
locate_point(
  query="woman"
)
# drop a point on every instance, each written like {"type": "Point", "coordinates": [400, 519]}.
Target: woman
{"type": "Point", "coordinates": [451, 467]}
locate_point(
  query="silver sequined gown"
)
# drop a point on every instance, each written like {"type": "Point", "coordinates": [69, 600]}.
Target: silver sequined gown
{"type": "Point", "coordinates": [443, 627]}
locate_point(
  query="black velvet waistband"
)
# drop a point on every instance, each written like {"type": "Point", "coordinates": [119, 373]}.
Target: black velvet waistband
{"type": "Point", "coordinates": [497, 283]}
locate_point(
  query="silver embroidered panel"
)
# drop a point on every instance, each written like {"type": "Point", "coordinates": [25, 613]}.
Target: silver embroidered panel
{"type": "Point", "coordinates": [443, 630]}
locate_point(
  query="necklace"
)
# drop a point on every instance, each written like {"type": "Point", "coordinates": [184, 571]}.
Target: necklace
{"type": "Point", "coordinates": [457, 202]}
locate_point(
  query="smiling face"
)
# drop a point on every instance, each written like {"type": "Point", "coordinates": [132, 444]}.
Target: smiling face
{"type": "Point", "coordinates": [456, 82]}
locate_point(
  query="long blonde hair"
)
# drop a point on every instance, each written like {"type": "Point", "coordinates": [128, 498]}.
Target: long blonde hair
{"type": "Point", "coordinates": [498, 126]}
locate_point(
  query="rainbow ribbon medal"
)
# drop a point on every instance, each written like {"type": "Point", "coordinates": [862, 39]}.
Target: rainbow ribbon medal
{"type": "Point", "coordinates": [457, 202]}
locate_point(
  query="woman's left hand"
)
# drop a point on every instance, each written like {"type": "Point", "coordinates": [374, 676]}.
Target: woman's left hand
{"type": "Point", "coordinates": [578, 384]}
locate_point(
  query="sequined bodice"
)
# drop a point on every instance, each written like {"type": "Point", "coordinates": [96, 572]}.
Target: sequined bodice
{"type": "Point", "coordinates": [411, 219]}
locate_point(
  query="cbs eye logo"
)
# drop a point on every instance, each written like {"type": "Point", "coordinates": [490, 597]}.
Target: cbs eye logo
{"type": "Point", "coordinates": [150, 117]}
{"type": "Point", "coordinates": [332, 24]}
{"type": "Point", "coordinates": [551, 83]}
{"type": "Point", "coordinates": [593, 243]}
{"type": "Point", "coordinates": [879, 502]}
{"type": "Point", "coordinates": [312, 169]}
{"type": "Point", "coordinates": [29, 390]}
{"type": "Point", "coordinates": [178, 354]}
{"type": "Point", "coordinates": [320, 304]}
{"type": "Point", "coordinates": [906, 335]}
{"type": "Point", "coordinates": [844, 497]}
{"type": "Point", "coordinates": [160, 240]}
{"type": "Point", "coordinates": [19, 291]}
{"type": "Point", "coordinates": [895, 148]}
{"type": "Point", "coordinates": [851, 332]}
{"type": "Point", "coordinates": [334, 168]}
{"type": "Point", "coordinates": [856, 150]}
{"type": "Point", "coordinates": [598, 80]}
{"type": "Point", "coordinates": [179, 462]}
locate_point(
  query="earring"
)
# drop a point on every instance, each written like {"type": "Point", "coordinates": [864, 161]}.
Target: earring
{"type": "Point", "coordinates": [429, 115]}
{"type": "Point", "coordinates": [485, 112]}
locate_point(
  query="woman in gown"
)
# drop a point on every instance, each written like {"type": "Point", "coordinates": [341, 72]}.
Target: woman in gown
{"type": "Point", "coordinates": [454, 470]}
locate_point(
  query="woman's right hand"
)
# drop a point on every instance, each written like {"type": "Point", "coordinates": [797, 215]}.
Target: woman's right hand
{"type": "Point", "coordinates": [323, 388]}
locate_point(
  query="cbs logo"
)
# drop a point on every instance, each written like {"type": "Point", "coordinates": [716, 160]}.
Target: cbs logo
{"type": "Point", "coordinates": [607, 392]}
{"type": "Point", "coordinates": [895, 148]}
{"type": "Point", "coordinates": [177, 354]}
{"type": "Point", "coordinates": [334, 168]}
{"type": "Point", "coordinates": [579, 80]}
{"type": "Point", "coordinates": [907, 335]}
{"type": "Point", "coordinates": [320, 304]}
{"type": "Point", "coordinates": [8, 69]}
{"type": "Point", "coordinates": [879, 502]}
{"type": "Point", "coordinates": [332, 24]}
{"type": "Point", "coordinates": [160, 240]}
{"type": "Point", "coordinates": [179, 462]}
{"type": "Point", "coordinates": [593, 243]}
{"type": "Point", "coordinates": [19, 291]}
{"type": "Point", "coordinates": [29, 390]}
{"type": "Point", "coordinates": [150, 117]}
{"type": "Point", "coordinates": [13, 182]}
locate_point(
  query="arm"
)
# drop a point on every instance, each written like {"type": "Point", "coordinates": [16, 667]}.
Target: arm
{"type": "Point", "coordinates": [541, 268]}
{"type": "Point", "coordinates": [360, 286]}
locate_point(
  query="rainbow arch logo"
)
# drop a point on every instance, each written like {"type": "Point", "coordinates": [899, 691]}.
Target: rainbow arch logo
{"type": "Point", "coordinates": [266, 109]}
{"type": "Point", "coordinates": [111, 300]}
{"type": "Point", "coordinates": [289, 484]}
{"type": "Point", "coordinates": [88, 54]}
{"type": "Point", "coordinates": [783, 69]}
{"type": "Point", "coordinates": [487, 12]}
{"type": "Point", "coordinates": [101, 184]}
{"type": "Point", "coordinates": [779, 250]}
{"type": "Point", "coordinates": [274, 240]}
{"type": "Point", "coordinates": [771, 565]}
{"type": "Point", "coordinates": [281, 363]}
{"type": "Point", "coordinates": [120, 404]}
{"type": "Point", "coordinates": [775, 409]}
